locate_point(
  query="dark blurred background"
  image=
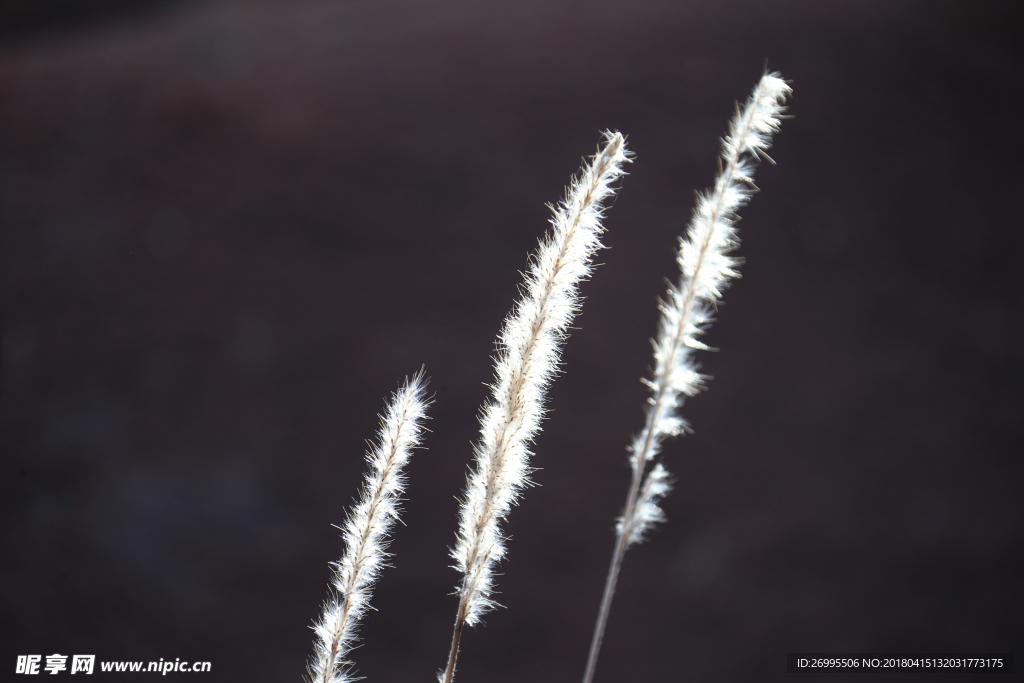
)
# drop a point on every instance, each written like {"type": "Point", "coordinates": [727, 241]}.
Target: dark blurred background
{"type": "Point", "coordinates": [229, 229]}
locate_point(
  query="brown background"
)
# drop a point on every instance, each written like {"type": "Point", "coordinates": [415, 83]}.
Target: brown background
{"type": "Point", "coordinates": [230, 228]}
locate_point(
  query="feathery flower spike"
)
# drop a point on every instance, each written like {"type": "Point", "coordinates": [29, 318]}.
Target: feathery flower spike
{"type": "Point", "coordinates": [528, 356]}
{"type": "Point", "coordinates": [706, 268]}
{"type": "Point", "coordinates": [365, 532]}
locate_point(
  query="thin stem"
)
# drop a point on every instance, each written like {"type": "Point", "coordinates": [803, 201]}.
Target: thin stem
{"type": "Point", "coordinates": [622, 541]}
{"type": "Point", "coordinates": [609, 589]}
{"type": "Point", "coordinates": [460, 623]}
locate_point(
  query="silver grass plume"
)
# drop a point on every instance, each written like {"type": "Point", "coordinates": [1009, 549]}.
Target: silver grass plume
{"type": "Point", "coordinates": [528, 356]}
{"type": "Point", "coordinates": [365, 532]}
{"type": "Point", "coordinates": [706, 267]}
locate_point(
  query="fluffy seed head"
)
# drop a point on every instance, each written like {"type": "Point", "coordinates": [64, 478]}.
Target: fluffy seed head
{"type": "Point", "coordinates": [365, 533]}
{"type": "Point", "coordinates": [706, 267]}
{"type": "Point", "coordinates": [528, 355]}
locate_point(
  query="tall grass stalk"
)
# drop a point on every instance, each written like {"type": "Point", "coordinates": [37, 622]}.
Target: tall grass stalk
{"type": "Point", "coordinates": [365, 533]}
{"type": "Point", "coordinates": [529, 346]}
{"type": "Point", "coordinates": [706, 268]}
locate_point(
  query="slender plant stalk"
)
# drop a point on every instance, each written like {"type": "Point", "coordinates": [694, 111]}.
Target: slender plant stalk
{"type": "Point", "coordinates": [365, 533]}
{"type": "Point", "coordinates": [529, 345]}
{"type": "Point", "coordinates": [706, 268]}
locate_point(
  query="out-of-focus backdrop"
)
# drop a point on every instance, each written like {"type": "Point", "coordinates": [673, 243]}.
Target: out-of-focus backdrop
{"type": "Point", "coordinates": [229, 229]}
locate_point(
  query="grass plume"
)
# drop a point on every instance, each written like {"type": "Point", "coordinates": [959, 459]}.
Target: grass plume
{"type": "Point", "coordinates": [365, 533]}
{"type": "Point", "coordinates": [528, 356]}
{"type": "Point", "coordinates": [705, 269]}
